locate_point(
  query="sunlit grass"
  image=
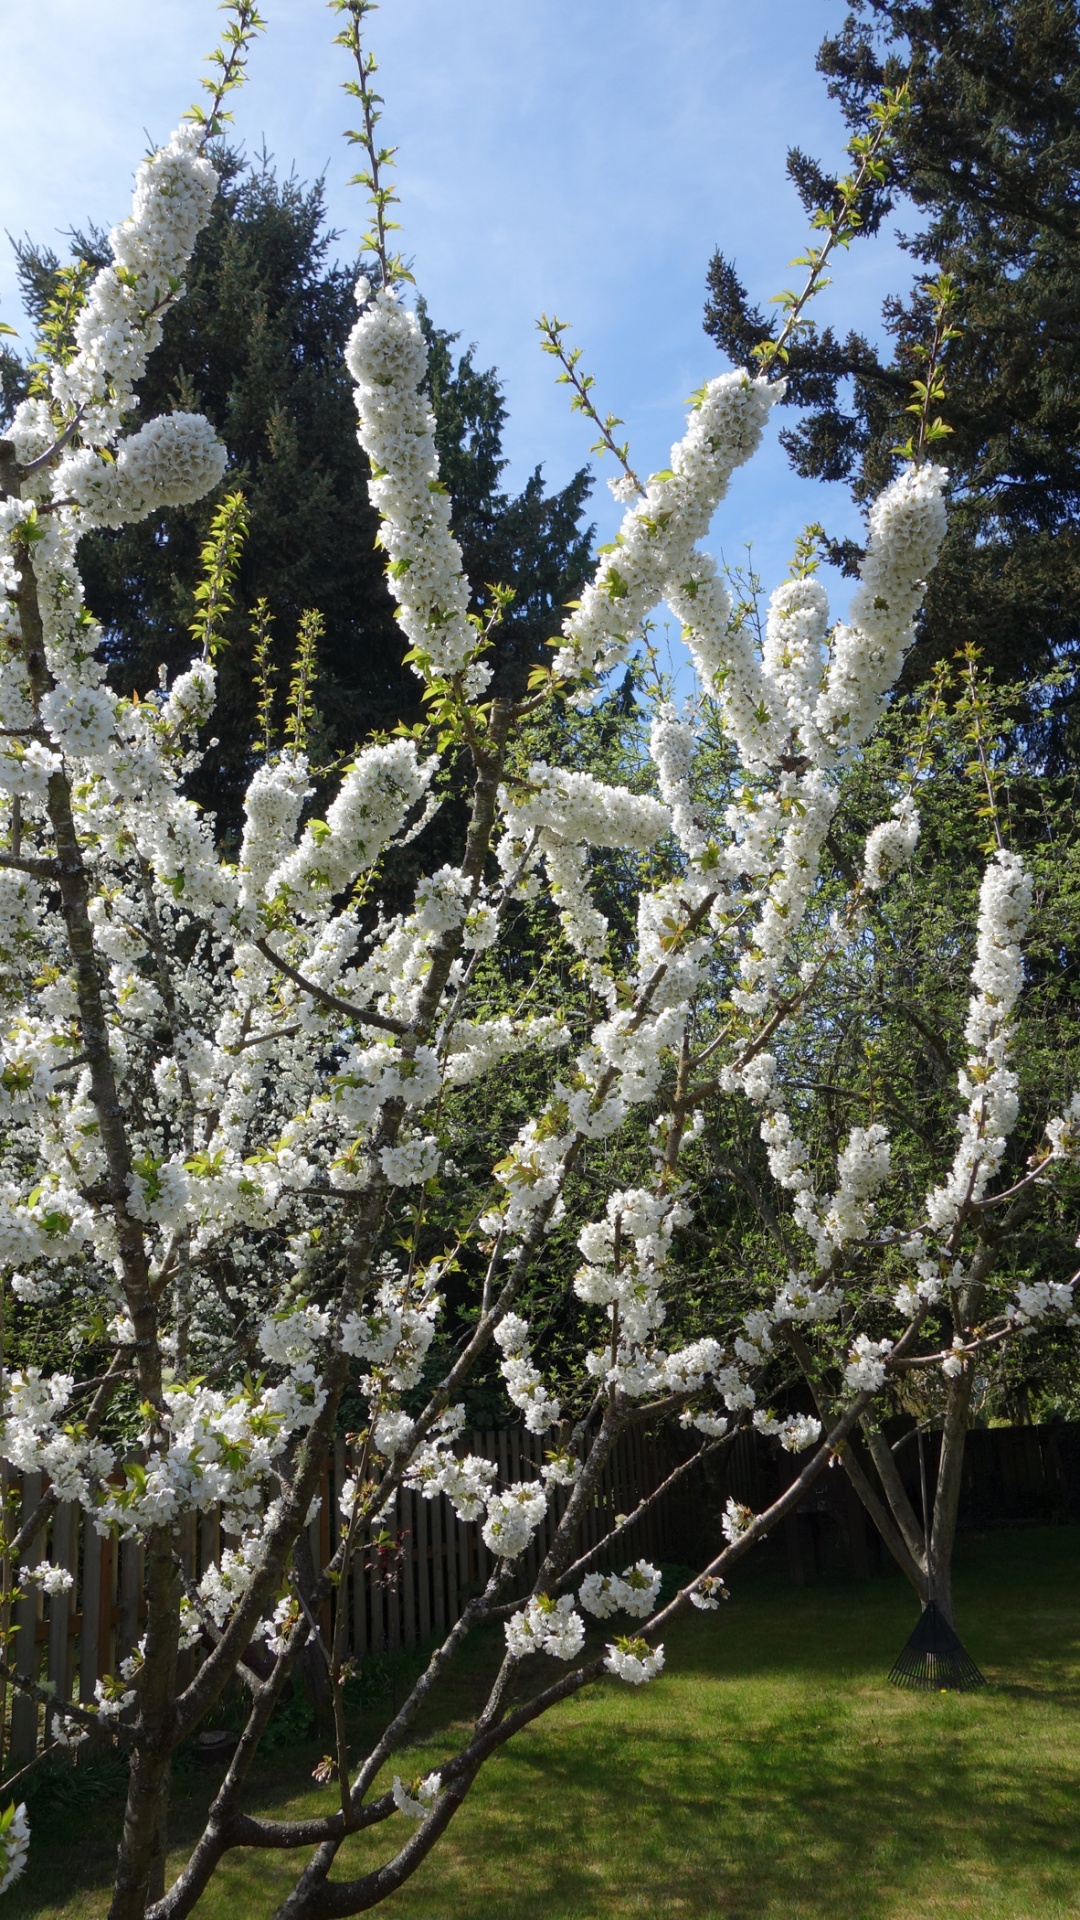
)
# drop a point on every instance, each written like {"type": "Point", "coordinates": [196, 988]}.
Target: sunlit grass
{"type": "Point", "coordinates": [771, 1774]}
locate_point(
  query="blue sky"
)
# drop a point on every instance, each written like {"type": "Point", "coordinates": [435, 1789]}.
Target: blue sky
{"type": "Point", "coordinates": [579, 156]}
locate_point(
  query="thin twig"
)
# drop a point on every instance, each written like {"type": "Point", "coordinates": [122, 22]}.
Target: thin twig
{"type": "Point", "coordinates": [364, 1014]}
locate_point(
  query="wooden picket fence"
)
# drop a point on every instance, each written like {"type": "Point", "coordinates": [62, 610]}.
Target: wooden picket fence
{"type": "Point", "coordinates": [396, 1596]}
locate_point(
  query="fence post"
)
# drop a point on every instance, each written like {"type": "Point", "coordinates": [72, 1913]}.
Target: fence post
{"type": "Point", "coordinates": [24, 1711]}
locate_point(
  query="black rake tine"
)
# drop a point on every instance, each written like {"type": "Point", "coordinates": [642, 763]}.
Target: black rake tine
{"type": "Point", "coordinates": [934, 1659]}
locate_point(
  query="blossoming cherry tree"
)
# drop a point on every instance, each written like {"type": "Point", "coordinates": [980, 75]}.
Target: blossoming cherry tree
{"type": "Point", "coordinates": [223, 1080]}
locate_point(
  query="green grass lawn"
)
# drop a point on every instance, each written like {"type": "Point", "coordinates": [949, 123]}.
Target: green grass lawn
{"type": "Point", "coordinates": [772, 1773]}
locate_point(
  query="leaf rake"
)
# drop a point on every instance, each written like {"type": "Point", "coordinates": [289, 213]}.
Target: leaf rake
{"type": "Point", "coordinates": [935, 1659]}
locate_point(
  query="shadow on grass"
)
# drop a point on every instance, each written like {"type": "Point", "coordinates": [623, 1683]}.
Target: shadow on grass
{"type": "Point", "coordinates": [807, 1810]}
{"type": "Point", "coordinates": [772, 1775]}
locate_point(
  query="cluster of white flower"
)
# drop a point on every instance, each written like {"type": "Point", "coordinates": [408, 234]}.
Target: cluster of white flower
{"type": "Point", "coordinates": [376, 794]}
{"type": "Point", "coordinates": [20, 901]}
{"type": "Point", "coordinates": [226, 1580]}
{"type": "Point", "coordinates": [394, 1335]}
{"type": "Point", "coordinates": [291, 1339]}
{"type": "Point", "coordinates": [50, 1578]}
{"type": "Point", "coordinates": [418, 1798]}
{"type": "Point", "coordinates": [907, 524]}
{"type": "Point", "coordinates": [530, 1176]}
{"type": "Point", "coordinates": [15, 1840]}
{"type": "Point", "coordinates": [1036, 1298]}
{"type": "Point", "coordinates": [634, 1591]}
{"type": "Point", "coordinates": [524, 1381]}
{"type": "Point", "coordinates": [804, 1300]}
{"type": "Point", "coordinates": [546, 1626]}
{"type": "Point", "coordinates": [795, 1431]}
{"type": "Point", "coordinates": [120, 325]}
{"type": "Point", "coordinates": [393, 1433]}
{"type": "Point", "coordinates": [561, 1468]}
{"type": "Point", "coordinates": [988, 1082]}
{"type": "Point", "coordinates": [221, 1446]}
{"type": "Point", "coordinates": [862, 1166]}
{"type": "Point", "coordinates": [953, 1363]}
{"type": "Point", "coordinates": [625, 1257]}
{"type": "Point", "coordinates": [276, 1631]}
{"type": "Point", "coordinates": [190, 699]}
{"type": "Point", "coordinates": [634, 1661]}
{"type": "Point", "coordinates": [38, 1435]}
{"type": "Point", "coordinates": [865, 1368]}
{"type": "Point", "coordinates": [112, 1695]}
{"type": "Point", "coordinates": [707, 1594]}
{"type": "Point", "coordinates": [271, 811]}
{"type": "Point", "coordinates": [371, 1076]}
{"type": "Point", "coordinates": [656, 540]}
{"type": "Point", "coordinates": [170, 462]}
{"type": "Point", "coordinates": [513, 1517]}
{"type": "Point", "coordinates": [80, 719]}
{"type": "Point", "coordinates": [69, 1732]}
{"type": "Point", "coordinates": [796, 819]}
{"type": "Point", "coordinates": [727, 662]}
{"type": "Point", "coordinates": [891, 844]}
{"type": "Point", "coordinates": [576, 807]}
{"type": "Point", "coordinates": [474, 1047]}
{"type": "Point", "coordinates": [912, 1296]}
{"type": "Point", "coordinates": [736, 1520]}
{"type": "Point", "coordinates": [671, 748]}
{"type": "Point", "coordinates": [467, 1482]}
{"type": "Point", "coordinates": [414, 1160]}
{"type": "Point", "coordinates": [795, 652]}
{"type": "Point", "coordinates": [387, 358]}
{"type": "Point", "coordinates": [552, 815]}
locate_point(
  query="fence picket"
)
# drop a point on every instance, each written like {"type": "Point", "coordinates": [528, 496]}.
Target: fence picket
{"type": "Point", "coordinates": [410, 1573]}
{"type": "Point", "coordinates": [59, 1656]}
{"type": "Point", "coordinates": [439, 1507]}
{"type": "Point", "coordinates": [24, 1711]}
{"type": "Point", "coordinates": [453, 1526]}
{"type": "Point", "coordinates": [423, 1567]}
{"type": "Point", "coordinates": [90, 1593]}
{"type": "Point", "coordinates": [360, 1597]}
{"type": "Point", "coordinates": [131, 1590]}
{"type": "Point", "coordinates": [464, 1529]}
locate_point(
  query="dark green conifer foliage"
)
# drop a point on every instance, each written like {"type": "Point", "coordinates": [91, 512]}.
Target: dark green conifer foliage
{"type": "Point", "coordinates": [257, 344]}
{"type": "Point", "coordinates": [989, 156]}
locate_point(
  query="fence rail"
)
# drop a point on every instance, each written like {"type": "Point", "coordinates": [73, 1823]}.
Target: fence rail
{"type": "Point", "coordinates": [400, 1596]}
{"type": "Point", "coordinates": [395, 1596]}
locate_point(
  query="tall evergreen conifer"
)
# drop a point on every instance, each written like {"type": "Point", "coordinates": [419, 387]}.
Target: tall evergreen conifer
{"type": "Point", "coordinates": [989, 157]}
